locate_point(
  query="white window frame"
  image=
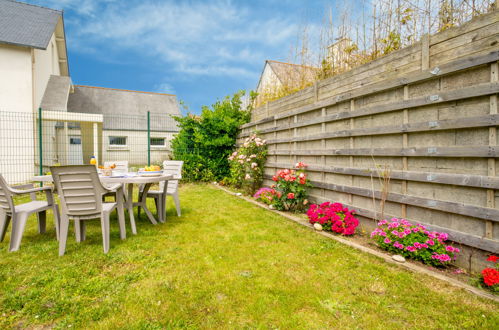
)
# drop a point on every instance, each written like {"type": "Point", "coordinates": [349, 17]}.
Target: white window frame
{"type": "Point", "coordinates": [117, 146]}
{"type": "Point", "coordinates": [163, 146]}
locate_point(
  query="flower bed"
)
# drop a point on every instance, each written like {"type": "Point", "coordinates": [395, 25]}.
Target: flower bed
{"type": "Point", "coordinates": [333, 217]}
{"type": "Point", "coordinates": [414, 241]}
{"type": "Point", "coordinates": [289, 193]}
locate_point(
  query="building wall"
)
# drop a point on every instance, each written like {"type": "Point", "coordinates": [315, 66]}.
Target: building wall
{"type": "Point", "coordinates": [268, 83]}
{"type": "Point", "coordinates": [16, 117]}
{"type": "Point", "coordinates": [15, 79]}
{"type": "Point", "coordinates": [136, 149]}
{"type": "Point", "coordinates": [46, 63]}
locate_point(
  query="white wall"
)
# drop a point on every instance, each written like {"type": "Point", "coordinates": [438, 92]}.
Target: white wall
{"type": "Point", "coordinates": [46, 63]}
{"type": "Point", "coordinates": [15, 79]}
{"type": "Point", "coordinates": [136, 150]}
{"type": "Point", "coordinates": [16, 116]}
{"type": "Point", "coordinates": [268, 83]}
{"type": "Point", "coordinates": [23, 79]}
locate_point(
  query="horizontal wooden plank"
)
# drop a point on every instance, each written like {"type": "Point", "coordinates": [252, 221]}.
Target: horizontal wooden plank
{"type": "Point", "coordinates": [438, 205]}
{"type": "Point", "coordinates": [438, 125]}
{"type": "Point", "coordinates": [444, 206]}
{"type": "Point", "coordinates": [476, 23]}
{"type": "Point", "coordinates": [448, 68]}
{"type": "Point", "coordinates": [454, 235]}
{"type": "Point", "coordinates": [466, 180]}
{"type": "Point", "coordinates": [453, 95]}
{"type": "Point", "coordinates": [468, 151]}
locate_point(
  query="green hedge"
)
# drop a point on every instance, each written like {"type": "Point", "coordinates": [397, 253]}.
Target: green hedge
{"type": "Point", "coordinates": [205, 142]}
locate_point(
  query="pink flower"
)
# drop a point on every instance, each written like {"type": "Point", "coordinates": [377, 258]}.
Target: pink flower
{"type": "Point", "coordinates": [254, 165]}
{"type": "Point", "coordinates": [387, 241]}
{"type": "Point", "coordinates": [291, 196]}
{"type": "Point", "coordinates": [411, 248]}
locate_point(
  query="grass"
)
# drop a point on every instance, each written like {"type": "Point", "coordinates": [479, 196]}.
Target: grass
{"type": "Point", "coordinates": [224, 264]}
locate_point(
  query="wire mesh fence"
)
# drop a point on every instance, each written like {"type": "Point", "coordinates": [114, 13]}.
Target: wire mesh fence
{"type": "Point", "coordinates": [30, 145]}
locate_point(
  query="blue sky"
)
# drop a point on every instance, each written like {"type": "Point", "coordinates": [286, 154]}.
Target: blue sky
{"type": "Point", "coordinates": [198, 50]}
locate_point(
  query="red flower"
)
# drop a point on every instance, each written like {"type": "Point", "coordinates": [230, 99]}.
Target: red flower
{"type": "Point", "coordinates": [291, 196]}
{"type": "Point", "coordinates": [493, 258]}
{"type": "Point", "coordinates": [274, 178]}
{"type": "Point", "coordinates": [490, 276]}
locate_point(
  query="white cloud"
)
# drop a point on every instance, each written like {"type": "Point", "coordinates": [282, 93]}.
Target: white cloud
{"type": "Point", "coordinates": [197, 38]}
{"type": "Point", "coordinates": [164, 87]}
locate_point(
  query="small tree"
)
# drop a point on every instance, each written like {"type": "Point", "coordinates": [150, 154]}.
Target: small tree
{"type": "Point", "coordinates": [205, 142]}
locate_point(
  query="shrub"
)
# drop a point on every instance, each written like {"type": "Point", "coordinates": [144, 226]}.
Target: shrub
{"type": "Point", "coordinates": [333, 217]}
{"type": "Point", "coordinates": [204, 142]}
{"type": "Point", "coordinates": [414, 241]}
{"type": "Point", "coordinates": [246, 164]}
{"type": "Point", "coordinates": [291, 188]}
{"type": "Point", "coordinates": [490, 276]}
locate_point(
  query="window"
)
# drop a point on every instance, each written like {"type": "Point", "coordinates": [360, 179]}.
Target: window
{"type": "Point", "coordinates": [74, 140]}
{"type": "Point", "coordinates": [118, 141]}
{"type": "Point", "coordinates": [157, 142]}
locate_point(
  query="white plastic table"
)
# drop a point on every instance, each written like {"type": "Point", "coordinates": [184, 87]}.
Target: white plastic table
{"type": "Point", "coordinates": [131, 179]}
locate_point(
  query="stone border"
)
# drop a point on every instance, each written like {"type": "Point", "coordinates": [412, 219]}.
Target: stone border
{"type": "Point", "coordinates": [407, 265]}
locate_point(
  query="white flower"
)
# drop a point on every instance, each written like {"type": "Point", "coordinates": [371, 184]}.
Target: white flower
{"type": "Point", "coordinates": [245, 144]}
{"type": "Point", "coordinates": [254, 165]}
{"type": "Point", "coordinates": [253, 156]}
{"type": "Point", "coordinates": [247, 177]}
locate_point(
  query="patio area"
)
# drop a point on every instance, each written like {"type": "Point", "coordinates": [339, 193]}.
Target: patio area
{"type": "Point", "coordinates": [224, 263]}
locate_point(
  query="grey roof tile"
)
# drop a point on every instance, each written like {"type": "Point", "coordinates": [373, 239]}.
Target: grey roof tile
{"type": "Point", "coordinates": [27, 25]}
{"type": "Point", "coordinates": [56, 93]}
{"type": "Point", "coordinates": [124, 109]}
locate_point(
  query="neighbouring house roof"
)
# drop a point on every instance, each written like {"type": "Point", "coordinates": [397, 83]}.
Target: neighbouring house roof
{"type": "Point", "coordinates": [287, 73]}
{"type": "Point", "coordinates": [27, 25]}
{"type": "Point", "coordinates": [125, 109]}
{"type": "Point", "coordinates": [56, 93]}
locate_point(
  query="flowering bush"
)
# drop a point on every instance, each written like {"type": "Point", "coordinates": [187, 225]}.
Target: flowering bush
{"type": "Point", "coordinates": [414, 241]}
{"type": "Point", "coordinates": [490, 276]}
{"type": "Point", "coordinates": [333, 217]}
{"type": "Point", "coordinates": [246, 164]}
{"type": "Point", "coordinates": [265, 195]}
{"type": "Point", "coordinates": [290, 188]}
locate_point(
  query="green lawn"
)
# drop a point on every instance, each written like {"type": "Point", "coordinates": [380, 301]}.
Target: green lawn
{"type": "Point", "coordinates": [224, 264]}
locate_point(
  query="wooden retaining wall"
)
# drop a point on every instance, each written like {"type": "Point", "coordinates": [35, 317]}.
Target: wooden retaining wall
{"type": "Point", "coordinates": [428, 111]}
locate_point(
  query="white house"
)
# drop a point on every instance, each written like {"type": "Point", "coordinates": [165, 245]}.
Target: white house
{"type": "Point", "coordinates": [279, 77]}
{"type": "Point", "coordinates": [32, 48]}
{"type": "Point", "coordinates": [34, 73]}
{"type": "Point", "coordinates": [124, 128]}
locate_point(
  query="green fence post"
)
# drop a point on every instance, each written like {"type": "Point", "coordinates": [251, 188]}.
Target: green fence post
{"type": "Point", "coordinates": [40, 143]}
{"type": "Point", "coordinates": [148, 138]}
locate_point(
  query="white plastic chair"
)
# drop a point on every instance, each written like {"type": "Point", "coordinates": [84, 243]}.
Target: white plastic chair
{"type": "Point", "coordinates": [169, 167]}
{"type": "Point", "coordinates": [80, 194]}
{"type": "Point", "coordinates": [19, 213]}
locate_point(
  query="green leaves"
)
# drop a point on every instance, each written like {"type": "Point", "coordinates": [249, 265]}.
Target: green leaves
{"type": "Point", "coordinates": [204, 142]}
